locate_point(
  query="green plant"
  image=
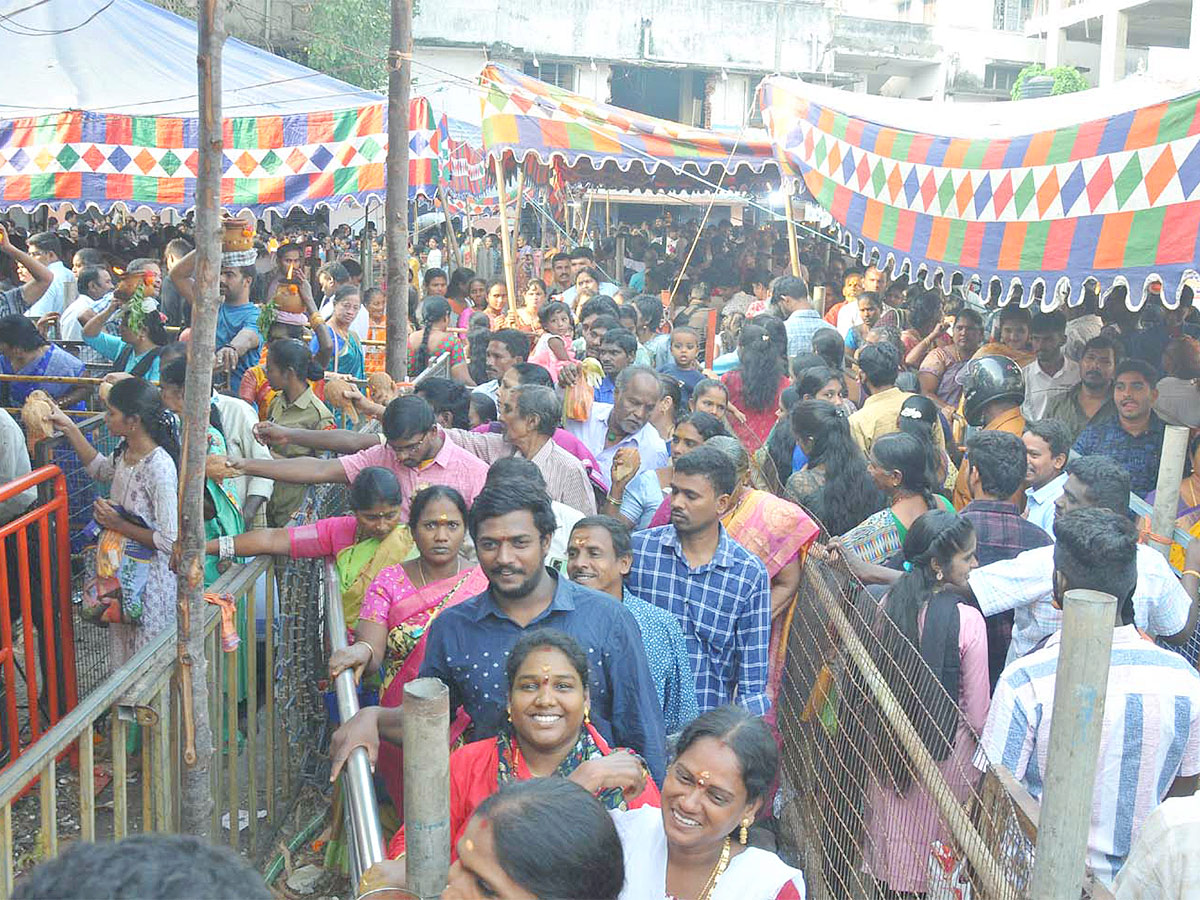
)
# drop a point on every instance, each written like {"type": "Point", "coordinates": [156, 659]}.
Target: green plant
{"type": "Point", "coordinates": [1067, 79]}
{"type": "Point", "coordinates": [350, 40]}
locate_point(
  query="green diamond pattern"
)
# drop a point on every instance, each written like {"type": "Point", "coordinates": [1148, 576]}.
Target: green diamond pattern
{"type": "Point", "coordinates": [67, 157]}
{"type": "Point", "coordinates": [1128, 180]}
{"type": "Point", "coordinates": [878, 178]}
{"type": "Point", "coordinates": [370, 149]}
{"type": "Point", "coordinates": [271, 162]}
{"type": "Point", "coordinates": [946, 191]}
{"type": "Point", "coordinates": [170, 163]}
{"type": "Point", "coordinates": [1025, 192]}
{"type": "Point", "coordinates": [820, 152]}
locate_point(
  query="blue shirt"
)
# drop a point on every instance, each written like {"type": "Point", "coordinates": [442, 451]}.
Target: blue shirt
{"type": "Point", "coordinates": [604, 391]}
{"type": "Point", "coordinates": [1138, 455]}
{"type": "Point", "coordinates": [801, 326]}
{"type": "Point", "coordinates": [112, 347]}
{"type": "Point", "coordinates": [723, 606]}
{"type": "Point", "coordinates": [468, 645]}
{"type": "Point", "coordinates": [670, 665]}
{"type": "Point", "coordinates": [231, 320]}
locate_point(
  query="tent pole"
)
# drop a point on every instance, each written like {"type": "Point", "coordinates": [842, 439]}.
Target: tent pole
{"type": "Point", "coordinates": [505, 244]}
{"type": "Point", "coordinates": [793, 251]}
{"type": "Point", "coordinates": [195, 790]}
{"type": "Point", "coordinates": [395, 209]}
{"type": "Point", "coordinates": [516, 229]}
{"type": "Point", "coordinates": [587, 215]}
{"type": "Point", "coordinates": [451, 239]}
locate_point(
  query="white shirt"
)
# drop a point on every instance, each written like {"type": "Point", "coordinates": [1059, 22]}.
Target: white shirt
{"type": "Point", "coordinates": [1164, 864]}
{"type": "Point", "coordinates": [1024, 584]}
{"type": "Point", "coordinates": [649, 443]}
{"type": "Point", "coordinates": [1041, 388]}
{"type": "Point", "coordinates": [1039, 503]}
{"type": "Point", "coordinates": [69, 326]}
{"type": "Point", "coordinates": [492, 389]}
{"type": "Point", "coordinates": [360, 324]}
{"type": "Point", "coordinates": [434, 260]}
{"type": "Point", "coordinates": [14, 462]}
{"type": "Point", "coordinates": [567, 516]}
{"type": "Point", "coordinates": [848, 316]}
{"type": "Point", "coordinates": [607, 288]}
{"type": "Point", "coordinates": [60, 292]}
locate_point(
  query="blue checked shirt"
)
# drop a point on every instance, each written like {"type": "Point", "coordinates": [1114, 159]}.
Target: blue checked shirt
{"type": "Point", "coordinates": [724, 607]}
{"type": "Point", "coordinates": [1138, 455]}
{"type": "Point", "coordinates": [801, 326]}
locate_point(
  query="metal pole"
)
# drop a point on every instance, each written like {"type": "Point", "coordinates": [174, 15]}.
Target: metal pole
{"type": "Point", "coordinates": [1080, 683]}
{"type": "Point", "coordinates": [396, 204]}
{"type": "Point", "coordinates": [357, 784]}
{"type": "Point", "coordinates": [426, 786]}
{"type": "Point", "coordinates": [620, 261]}
{"type": "Point", "coordinates": [505, 243]}
{"type": "Point", "coordinates": [1170, 476]}
{"type": "Point", "coordinates": [365, 250]}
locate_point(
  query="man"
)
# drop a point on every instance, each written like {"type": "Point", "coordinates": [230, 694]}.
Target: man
{"type": "Point", "coordinates": [1090, 401]}
{"type": "Point", "coordinates": [1024, 583]}
{"type": "Point", "coordinates": [993, 391]}
{"type": "Point", "coordinates": [939, 370]}
{"type": "Point", "coordinates": [238, 337]}
{"type": "Point", "coordinates": [1163, 863]}
{"type": "Point", "coordinates": [582, 258]}
{"type": "Point", "coordinates": [1047, 449]}
{"type": "Point", "coordinates": [878, 366]}
{"type": "Point", "coordinates": [505, 349]}
{"type": "Point", "coordinates": [449, 399]}
{"type": "Point", "coordinates": [618, 348]}
{"type": "Point", "coordinates": [414, 448]}
{"type": "Point", "coordinates": [1177, 389]}
{"type": "Point", "coordinates": [46, 248]}
{"type": "Point", "coordinates": [530, 415]}
{"type": "Point", "coordinates": [435, 282]}
{"type": "Point", "coordinates": [508, 469]}
{"type": "Point", "coordinates": [1051, 373]}
{"type": "Point", "coordinates": [94, 283]}
{"type": "Point", "coordinates": [466, 645]}
{"type": "Point", "coordinates": [625, 423]}
{"type": "Point", "coordinates": [594, 328]}
{"type": "Point", "coordinates": [289, 264]}
{"type": "Point", "coordinates": [718, 590]}
{"type": "Point", "coordinates": [995, 466]}
{"type": "Point", "coordinates": [801, 320]}
{"type": "Point", "coordinates": [600, 555]}
{"type": "Point", "coordinates": [174, 307]}
{"type": "Point", "coordinates": [16, 301]}
{"type": "Point", "coordinates": [1150, 733]}
{"type": "Point", "coordinates": [561, 266]}
{"type": "Point", "coordinates": [1134, 438]}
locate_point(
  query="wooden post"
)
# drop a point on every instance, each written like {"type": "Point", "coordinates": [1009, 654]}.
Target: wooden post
{"type": "Point", "coordinates": [607, 212]}
{"type": "Point", "coordinates": [793, 251]}
{"type": "Point", "coordinates": [505, 244]}
{"type": "Point", "coordinates": [587, 215]}
{"type": "Point", "coordinates": [1170, 476]}
{"type": "Point", "coordinates": [1080, 684]}
{"type": "Point", "coordinates": [366, 250]}
{"type": "Point", "coordinates": [619, 264]}
{"type": "Point", "coordinates": [426, 714]}
{"type": "Point", "coordinates": [195, 790]}
{"type": "Point", "coordinates": [451, 238]}
{"type": "Point", "coordinates": [516, 229]}
{"type": "Point", "coordinates": [396, 204]}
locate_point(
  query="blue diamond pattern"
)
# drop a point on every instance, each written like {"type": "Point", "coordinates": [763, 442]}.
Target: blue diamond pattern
{"type": "Point", "coordinates": [18, 160]}
{"type": "Point", "coordinates": [321, 157]}
{"type": "Point", "coordinates": [1072, 188]}
{"type": "Point", "coordinates": [226, 163]}
{"type": "Point", "coordinates": [847, 166]}
{"type": "Point", "coordinates": [983, 194]}
{"type": "Point", "coordinates": [1189, 172]}
{"type": "Point", "coordinates": [912, 186]}
{"type": "Point", "coordinates": [118, 159]}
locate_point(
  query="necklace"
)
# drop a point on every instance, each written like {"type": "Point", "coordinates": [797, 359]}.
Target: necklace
{"type": "Point", "coordinates": [718, 870]}
{"type": "Point", "coordinates": [425, 578]}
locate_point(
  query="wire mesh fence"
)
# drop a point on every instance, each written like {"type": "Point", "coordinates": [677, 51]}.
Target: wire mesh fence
{"type": "Point", "coordinates": [879, 794]}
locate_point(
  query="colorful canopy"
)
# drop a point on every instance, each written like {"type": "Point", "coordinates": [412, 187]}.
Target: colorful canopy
{"type": "Point", "coordinates": [105, 114]}
{"type": "Point", "coordinates": [605, 146]}
{"type": "Point", "coordinates": [1033, 197]}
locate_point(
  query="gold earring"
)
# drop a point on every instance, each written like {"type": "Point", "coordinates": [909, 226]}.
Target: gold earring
{"type": "Point", "coordinates": [742, 834]}
{"type": "Point", "coordinates": [587, 717]}
{"type": "Point", "coordinates": [508, 713]}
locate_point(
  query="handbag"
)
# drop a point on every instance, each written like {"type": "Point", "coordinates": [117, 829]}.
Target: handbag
{"type": "Point", "coordinates": [115, 593]}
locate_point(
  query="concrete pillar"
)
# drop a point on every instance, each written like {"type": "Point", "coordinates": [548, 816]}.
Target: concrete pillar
{"type": "Point", "coordinates": [1112, 47]}
{"type": "Point", "coordinates": [1056, 47]}
{"type": "Point", "coordinates": [1194, 34]}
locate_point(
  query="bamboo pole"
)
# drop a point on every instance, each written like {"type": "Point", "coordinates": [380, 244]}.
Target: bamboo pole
{"type": "Point", "coordinates": [516, 229]}
{"type": "Point", "coordinates": [1080, 685]}
{"type": "Point", "coordinates": [396, 202]}
{"type": "Point", "coordinates": [1170, 476]}
{"type": "Point", "coordinates": [451, 238]}
{"type": "Point", "coordinates": [196, 801]}
{"type": "Point", "coordinates": [793, 250]}
{"type": "Point", "coordinates": [505, 244]}
{"type": "Point", "coordinates": [426, 717]}
{"type": "Point", "coordinates": [587, 216]}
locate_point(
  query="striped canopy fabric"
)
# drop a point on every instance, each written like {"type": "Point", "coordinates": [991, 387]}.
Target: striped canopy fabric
{"type": "Point", "coordinates": [604, 146]}
{"type": "Point", "coordinates": [1034, 198]}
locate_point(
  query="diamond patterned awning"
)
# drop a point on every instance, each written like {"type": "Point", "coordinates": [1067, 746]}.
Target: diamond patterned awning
{"type": "Point", "coordinates": [1112, 197]}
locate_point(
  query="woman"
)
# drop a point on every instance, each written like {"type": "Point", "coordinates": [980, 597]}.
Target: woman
{"type": "Point", "coordinates": [919, 417]}
{"type": "Point", "coordinates": [376, 302]}
{"type": "Point", "coordinates": [549, 734]}
{"type": "Point", "coordinates": [476, 300]}
{"type": "Point", "coordinates": [669, 408]}
{"type": "Point", "coordinates": [924, 317]}
{"type": "Point", "coordinates": [527, 314]}
{"type": "Point", "coordinates": [1187, 516]}
{"type": "Point", "coordinates": [347, 349]}
{"type": "Point", "coordinates": [141, 506]}
{"type": "Point", "coordinates": [402, 601]}
{"type": "Point", "coordinates": [695, 847]}
{"type": "Point", "coordinates": [289, 370]}
{"type": "Point", "coordinates": [142, 336]}
{"type": "Point", "coordinates": [833, 485]}
{"type": "Point", "coordinates": [436, 338]}
{"type": "Point", "coordinates": [901, 468]}
{"type": "Point", "coordinates": [755, 386]}
{"type": "Point", "coordinates": [497, 305]}
{"type": "Point", "coordinates": [638, 499]}
{"type": "Point", "coordinates": [458, 289]}
{"type": "Point", "coordinates": [927, 616]}
{"type": "Point", "coordinates": [363, 544]}
{"type": "Point", "coordinates": [24, 352]}
{"type": "Point", "coordinates": [777, 532]}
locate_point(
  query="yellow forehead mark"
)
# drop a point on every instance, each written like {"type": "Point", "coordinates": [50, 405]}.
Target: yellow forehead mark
{"type": "Point", "coordinates": [468, 844]}
{"type": "Point", "coordinates": [703, 778]}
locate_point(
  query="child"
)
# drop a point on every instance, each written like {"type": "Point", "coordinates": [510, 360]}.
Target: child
{"type": "Point", "coordinates": [684, 366]}
{"type": "Point", "coordinates": [553, 348]}
{"type": "Point", "coordinates": [870, 308]}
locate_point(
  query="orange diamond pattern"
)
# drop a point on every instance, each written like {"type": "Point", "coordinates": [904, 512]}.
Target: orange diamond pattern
{"type": "Point", "coordinates": [1047, 192]}
{"type": "Point", "coordinates": [895, 182]}
{"type": "Point", "coordinates": [964, 194]}
{"type": "Point", "coordinates": [145, 161]}
{"type": "Point", "coordinates": [835, 158]}
{"type": "Point", "coordinates": [1160, 174]}
{"type": "Point", "coordinates": [246, 163]}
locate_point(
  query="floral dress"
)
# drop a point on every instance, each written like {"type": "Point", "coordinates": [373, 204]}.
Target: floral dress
{"type": "Point", "coordinates": [149, 489]}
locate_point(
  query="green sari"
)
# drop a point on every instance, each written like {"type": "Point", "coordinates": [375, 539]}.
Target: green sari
{"type": "Point", "coordinates": [227, 522]}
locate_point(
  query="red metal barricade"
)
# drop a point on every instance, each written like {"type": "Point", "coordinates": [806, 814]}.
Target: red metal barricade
{"type": "Point", "coordinates": [46, 528]}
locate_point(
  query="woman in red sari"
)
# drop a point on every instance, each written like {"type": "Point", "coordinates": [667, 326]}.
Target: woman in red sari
{"type": "Point", "coordinates": [549, 735]}
{"type": "Point", "coordinates": [779, 533]}
{"type": "Point", "coordinates": [754, 387]}
{"type": "Point", "coordinates": [401, 602]}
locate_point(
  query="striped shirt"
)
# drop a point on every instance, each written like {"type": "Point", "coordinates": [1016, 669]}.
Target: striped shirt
{"type": "Point", "coordinates": [566, 479]}
{"type": "Point", "coordinates": [1150, 735]}
{"type": "Point", "coordinates": [1025, 584]}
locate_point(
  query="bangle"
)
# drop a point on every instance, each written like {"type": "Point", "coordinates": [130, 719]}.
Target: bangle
{"type": "Point", "coordinates": [1190, 572]}
{"type": "Point", "coordinates": [225, 547]}
{"type": "Point", "coordinates": [315, 319]}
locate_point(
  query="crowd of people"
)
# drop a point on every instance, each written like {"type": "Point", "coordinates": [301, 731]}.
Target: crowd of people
{"type": "Point", "coordinates": [594, 526]}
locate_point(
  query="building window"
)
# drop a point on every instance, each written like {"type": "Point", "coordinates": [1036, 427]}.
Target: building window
{"type": "Point", "coordinates": [558, 74]}
{"type": "Point", "coordinates": [1000, 77]}
{"type": "Point", "coordinates": [1011, 15]}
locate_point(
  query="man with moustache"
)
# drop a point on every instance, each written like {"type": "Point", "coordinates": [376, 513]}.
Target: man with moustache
{"type": "Point", "coordinates": [625, 423]}
{"type": "Point", "coordinates": [1091, 400]}
{"type": "Point", "coordinates": [238, 337]}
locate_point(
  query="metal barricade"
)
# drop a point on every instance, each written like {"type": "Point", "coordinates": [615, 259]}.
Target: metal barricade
{"type": "Point", "coordinates": [35, 557]}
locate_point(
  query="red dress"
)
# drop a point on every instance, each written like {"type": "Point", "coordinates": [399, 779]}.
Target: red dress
{"type": "Point", "coordinates": [475, 776]}
{"type": "Point", "coordinates": [759, 422]}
